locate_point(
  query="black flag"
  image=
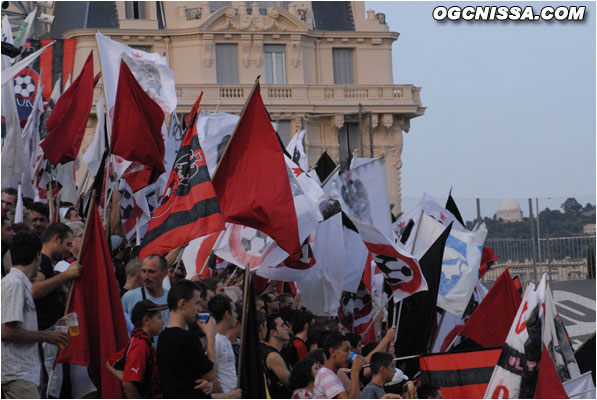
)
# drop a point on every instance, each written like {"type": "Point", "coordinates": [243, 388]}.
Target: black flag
{"type": "Point", "coordinates": [324, 166]}
{"type": "Point", "coordinates": [418, 311]}
{"type": "Point", "coordinates": [251, 379]}
{"type": "Point", "coordinates": [451, 206]}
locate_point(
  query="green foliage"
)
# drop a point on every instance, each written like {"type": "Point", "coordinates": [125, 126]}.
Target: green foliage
{"type": "Point", "coordinates": [557, 223]}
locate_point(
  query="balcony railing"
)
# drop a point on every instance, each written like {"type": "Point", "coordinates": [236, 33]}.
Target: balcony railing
{"type": "Point", "coordinates": [305, 96]}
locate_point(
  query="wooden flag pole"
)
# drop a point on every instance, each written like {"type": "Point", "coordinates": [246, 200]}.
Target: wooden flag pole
{"type": "Point", "coordinates": [434, 338]}
{"type": "Point", "coordinates": [71, 286]}
{"type": "Point", "coordinates": [243, 329]}
{"type": "Point", "coordinates": [397, 320]}
{"type": "Point", "coordinates": [51, 201]}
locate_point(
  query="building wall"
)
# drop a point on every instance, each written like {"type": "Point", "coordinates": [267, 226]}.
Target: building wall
{"type": "Point", "coordinates": [308, 98]}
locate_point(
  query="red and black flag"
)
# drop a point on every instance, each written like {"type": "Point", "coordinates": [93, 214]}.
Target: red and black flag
{"type": "Point", "coordinates": [57, 61]}
{"type": "Point", "coordinates": [189, 208]}
{"type": "Point", "coordinates": [460, 375]}
{"type": "Point", "coordinates": [488, 258]}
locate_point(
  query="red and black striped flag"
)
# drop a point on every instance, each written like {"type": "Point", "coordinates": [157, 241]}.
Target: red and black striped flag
{"type": "Point", "coordinates": [57, 61]}
{"type": "Point", "coordinates": [189, 208]}
{"type": "Point", "coordinates": [460, 375]}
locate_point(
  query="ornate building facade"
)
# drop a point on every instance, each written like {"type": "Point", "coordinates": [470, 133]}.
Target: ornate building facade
{"type": "Point", "coordinates": [324, 66]}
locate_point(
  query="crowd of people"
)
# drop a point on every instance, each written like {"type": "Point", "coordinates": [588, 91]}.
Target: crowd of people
{"type": "Point", "coordinates": [184, 333]}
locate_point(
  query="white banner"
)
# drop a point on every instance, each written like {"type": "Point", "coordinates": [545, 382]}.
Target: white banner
{"type": "Point", "coordinates": [363, 193]}
{"type": "Point", "coordinates": [150, 70]}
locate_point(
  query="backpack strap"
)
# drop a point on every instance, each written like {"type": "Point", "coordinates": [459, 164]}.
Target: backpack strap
{"type": "Point", "coordinates": [143, 293]}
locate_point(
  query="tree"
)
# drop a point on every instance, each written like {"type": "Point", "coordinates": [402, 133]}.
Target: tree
{"type": "Point", "coordinates": [571, 206]}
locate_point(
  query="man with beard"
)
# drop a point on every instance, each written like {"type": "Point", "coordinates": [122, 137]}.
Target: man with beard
{"type": "Point", "coordinates": [154, 270]}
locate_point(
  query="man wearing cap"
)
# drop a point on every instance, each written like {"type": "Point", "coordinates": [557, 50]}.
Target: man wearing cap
{"type": "Point", "coordinates": [153, 271]}
{"type": "Point", "coordinates": [139, 374]}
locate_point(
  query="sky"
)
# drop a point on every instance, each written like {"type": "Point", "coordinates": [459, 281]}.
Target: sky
{"type": "Point", "coordinates": [510, 107]}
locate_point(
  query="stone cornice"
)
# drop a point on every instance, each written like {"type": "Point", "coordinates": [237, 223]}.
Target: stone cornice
{"type": "Point", "coordinates": [159, 34]}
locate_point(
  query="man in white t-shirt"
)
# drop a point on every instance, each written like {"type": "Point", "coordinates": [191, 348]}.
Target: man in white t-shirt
{"type": "Point", "coordinates": [223, 310]}
{"type": "Point", "coordinates": [327, 384]}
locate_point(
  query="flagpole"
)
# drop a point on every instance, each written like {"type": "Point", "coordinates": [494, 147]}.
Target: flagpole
{"type": "Point", "coordinates": [397, 321]}
{"type": "Point", "coordinates": [109, 127]}
{"type": "Point", "coordinates": [71, 285]}
{"type": "Point", "coordinates": [330, 175]}
{"type": "Point", "coordinates": [50, 198]}
{"type": "Point", "coordinates": [441, 320]}
{"type": "Point", "coordinates": [243, 329]}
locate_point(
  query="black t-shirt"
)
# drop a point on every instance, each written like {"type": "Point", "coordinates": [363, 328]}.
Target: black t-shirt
{"type": "Point", "coordinates": [49, 308]}
{"type": "Point", "coordinates": [181, 361]}
{"type": "Point", "coordinates": [277, 389]}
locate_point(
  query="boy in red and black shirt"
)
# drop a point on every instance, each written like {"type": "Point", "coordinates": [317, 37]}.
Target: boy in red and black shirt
{"type": "Point", "coordinates": [136, 365]}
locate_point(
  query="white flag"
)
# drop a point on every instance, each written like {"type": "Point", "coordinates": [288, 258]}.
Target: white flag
{"type": "Point", "coordinates": [321, 285]}
{"type": "Point", "coordinates": [431, 208]}
{"type": "Point", "coordinates": [197, 252]}
{"type": "Point", "coordinates": [356, 258]}
{"type": "Point", "coordinates": [363, 194]}
{"type": "Point", "coordinates": [401, 270]}
{"type": "Point", "coordinates": [556, 341]}
{"type": "Point", "coordinates": [460, 269]}
{"type": "Point", "coordinates": [10, 72]}
{"type": "Point", "coordinates": [150, 70]}
{"type": "Point", "coordinates": [25, 29]}
{"type": "Point", "coordinates": [14, 160]}
{"type": "Point", "coordinates": [246, 246]}
{"type": "Point", "coordinates": [296, 149]}
{"type": "Point", "coordinates": [93, 155]}
{"type": "Point", "coordinates": [581, 387]}
{"type": "Point", "coordinates": [515, 375]}
{"type": "Point", "coordinates": [19, 206]}
{"type": "Point", "coordinates": [215, 130]}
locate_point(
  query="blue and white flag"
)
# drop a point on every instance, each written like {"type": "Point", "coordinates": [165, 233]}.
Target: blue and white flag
{"type": "Point", "coordinates": [461, 261]}
{"type": "Point", "coordinates": [460, 269]}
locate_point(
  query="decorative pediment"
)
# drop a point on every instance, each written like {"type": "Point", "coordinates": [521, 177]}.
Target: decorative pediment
{"type": "Point", "coordinates": [276, 20]}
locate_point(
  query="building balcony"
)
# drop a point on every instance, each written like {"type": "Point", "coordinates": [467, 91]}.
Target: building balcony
{"type": "Point", "coordinates": [303, 99]}
{"type": "Point", "coordinates": [306, 99]}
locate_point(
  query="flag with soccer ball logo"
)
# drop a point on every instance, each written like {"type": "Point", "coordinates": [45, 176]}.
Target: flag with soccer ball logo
{"type": "Point", "coordinates": [401, 270]}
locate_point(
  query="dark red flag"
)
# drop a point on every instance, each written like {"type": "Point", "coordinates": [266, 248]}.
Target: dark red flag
{"type": "Point", "coordinates": [549, 385]}
{"type": "Point", "coordinates": [68, 119]}
{"type": "Point", "coordinates": [137, 125]}
{"type": "Point", "coordinates": [460, 375]}
{"type": "Point", "coordinates": [251, 181]}
{"type": "Point", "coordinates": [488, 258]}
{"type": "Point", "coordinates": [189, 208]}
{"type": "Point", "coordinates": [490, 322]}
{"type": "Point", "coordinates": [96, 300]}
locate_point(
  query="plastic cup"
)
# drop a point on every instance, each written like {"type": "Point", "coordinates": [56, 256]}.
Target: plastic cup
{"type": "Point", "coordinates": [351, 356]}
{"type": "Point", "coordinates": [203, 317]}
{"type": "Point", "coordinates": [73, 324]}
{"type": "Point", "coordinates": [61, 328]}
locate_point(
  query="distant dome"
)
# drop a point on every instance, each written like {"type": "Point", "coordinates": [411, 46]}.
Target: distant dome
{"type": "Point", "coordinates": [509, 210]}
